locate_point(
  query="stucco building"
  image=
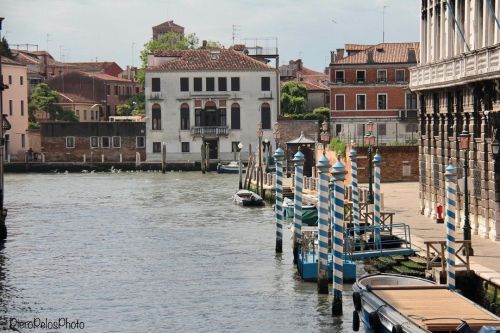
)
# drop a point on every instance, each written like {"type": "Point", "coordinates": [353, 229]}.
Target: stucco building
{"type": "Point", "coordinates": [458, 86]}
{"type": "Point", "coordinates": [15, 106]}
{"type": "Point", "coordinates": [216, 97]}
{"type": "Point", "coordinates": [370, 83]}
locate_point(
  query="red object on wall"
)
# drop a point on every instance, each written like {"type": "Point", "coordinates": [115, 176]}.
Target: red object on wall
{"type": "Point", "coordinates": [439, 213]}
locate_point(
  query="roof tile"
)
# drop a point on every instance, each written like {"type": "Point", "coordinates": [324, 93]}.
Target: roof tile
{"type": "Point", "coordinates": [384, 53]}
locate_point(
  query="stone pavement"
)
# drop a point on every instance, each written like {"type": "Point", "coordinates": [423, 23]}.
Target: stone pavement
{"type": "Point", "coordinates": [403, 198]}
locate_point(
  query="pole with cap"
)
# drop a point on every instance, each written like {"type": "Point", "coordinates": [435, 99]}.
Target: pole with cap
{"type": "Point", "coordinates": [298, 159]}
{"type": "Point", "coordinates": [279, 156]}
{"type": "Point", "coordinates": [377, 160]}
{"type": "Point", "coordinates": [451, 208]}
{"type": "Point", "coordinates": [323, 217]}
{"type": "Point", "coordinates": [337, 183]}
{"type": "Point", "coordinates": [355, 191]}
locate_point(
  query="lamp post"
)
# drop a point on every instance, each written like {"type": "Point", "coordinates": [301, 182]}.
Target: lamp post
{"type": "Point", "coordinates": [325, 135]}
{"type": "Point", "coordinates": [267, 145]}
{"type": "Point", "coordinates": [240, 183]}
{"type": "Point", "coordinates": [370, 141]}
{"type": "Point", "coordinates": [260, 133]}
{"type": "Point", "coordinates": [276, 133]}
{"type": "Point", "coordinates": [464, 145]}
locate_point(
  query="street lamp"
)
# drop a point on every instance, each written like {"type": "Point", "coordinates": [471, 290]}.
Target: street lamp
{"type": "Point", "coordinates": [464, 145]}
{"type": "Point", "coordinates": [276, 133]}
{"type": "Point", "coordinates": [325, 135]}
{"type": "Point", "coordinates": [370, 141]}
{"type": "Point", "coordinates": [260, 134]}
{"type": "Point", "coordinates": [239, 148]}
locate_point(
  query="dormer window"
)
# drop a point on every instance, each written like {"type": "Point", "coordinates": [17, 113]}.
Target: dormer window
{"type": "Point", "coordinates": [214, 54]}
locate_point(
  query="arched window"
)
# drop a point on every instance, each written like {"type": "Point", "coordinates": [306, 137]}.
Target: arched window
{"type": "Point", "coordinates": [184, 116]}
{"type": "Point", "coordinates": [265, 115]}
{"type": "Point", "coordinates": [156, 117]}
{"type": "Point", "coordinates": [235, 116]}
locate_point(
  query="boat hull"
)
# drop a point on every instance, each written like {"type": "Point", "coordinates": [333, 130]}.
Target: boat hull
{"type": "Point", "coordinates": [307, 266]}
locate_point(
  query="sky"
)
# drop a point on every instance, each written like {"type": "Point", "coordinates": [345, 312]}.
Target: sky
{"type": "Point", "coordinates": [113, 30]}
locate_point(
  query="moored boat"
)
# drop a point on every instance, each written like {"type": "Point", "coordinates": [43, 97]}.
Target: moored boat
{"type": "Point", "coordinates": [388, 303]}
{"type": "Point", "coordinates": [231, 167]}
{"type": "Point", "coordinates": [309, 212]}
{"type": "Point", "coordinates": [248, 198]}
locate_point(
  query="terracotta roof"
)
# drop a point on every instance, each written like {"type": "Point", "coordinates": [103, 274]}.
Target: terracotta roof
{"type": "Point", "coordinates": [31, 58]}
{"type": "Point", "coordinates": [201, 60]}
{"type": "Point", "coordinates": [9, 61]}
{"type": "Point", "coordinates": [104, 76]}
{"type": "Point", "coordinates": [168, 24]}
{"type": "Point", "coordinates": [311, 85]}
{"type": "Point", "coordinates": [356, 47]}
{"type": "Point", "coordinates": [74, 98]}
{"type": "Point", "coordinates": [92, 66]}
{"type": "Point", "coordinates": [384, 53]}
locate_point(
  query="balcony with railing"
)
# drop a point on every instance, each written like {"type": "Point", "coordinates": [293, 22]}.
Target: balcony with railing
{"type": "Point", "coordinates": [472, 66]}
{"type": "Point", "coordinates": [155, 96]}
{"type": "Point", "coordinates": [209, 131]}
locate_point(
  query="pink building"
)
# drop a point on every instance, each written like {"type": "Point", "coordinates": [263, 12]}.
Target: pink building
{"type": "Point", "coordinates": [15, 106]}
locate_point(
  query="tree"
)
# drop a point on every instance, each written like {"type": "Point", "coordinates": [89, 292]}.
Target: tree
{"type": "Point", "coordinates": [293, 98]}
{"type": "Point", "coordinates": [5, 49]}
{"type": "Point", "coordinates": [45, 99]}
{"type": "Point", "coordinates": [134, 106]}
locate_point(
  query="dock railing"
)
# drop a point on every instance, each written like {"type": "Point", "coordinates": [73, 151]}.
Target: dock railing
{"type": "Point", "coordinates": [436, 254]}
{"type": "Point", "coordinates": [395, 239]}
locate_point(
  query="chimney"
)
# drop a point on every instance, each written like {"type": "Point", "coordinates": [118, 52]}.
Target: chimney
{"type": "Point", "coordinates": [340, 54]}
{"type": "Point", "coordinates": [370, 57]}
{"type": "Point", "coordinates": [412, 56]}
{"type": "Point", "coordinates": [299, 64]}
{"type": "Point", "coordinates": [204, 44]}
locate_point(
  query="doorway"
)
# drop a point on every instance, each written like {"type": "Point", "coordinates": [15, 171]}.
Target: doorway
{"type": "Point", "coordinates": [213, 145]}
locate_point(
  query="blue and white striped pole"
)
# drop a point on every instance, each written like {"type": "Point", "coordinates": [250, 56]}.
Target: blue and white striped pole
{"type": "Point", "coordinates": [338, 236]}
{"type": "Point", "coordinates": [377, 161]}
{"type": "Point", "coordinates": [451, 208]}
{"type": "Point", "coordinates": [279, 156]}
{"type": "Point", "coordinates": [355, 193]}
{"type": "Point", "coordinates": [297, 215]}
{"type": "Point", "coordinates": [323, 217]}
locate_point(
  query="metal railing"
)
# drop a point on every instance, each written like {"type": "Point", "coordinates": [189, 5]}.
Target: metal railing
{"type": "Point", "coordinates": [210, 131]}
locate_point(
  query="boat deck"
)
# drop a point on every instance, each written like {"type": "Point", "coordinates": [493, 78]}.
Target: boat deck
{"type": "Point", "coordinates": [435, 308]}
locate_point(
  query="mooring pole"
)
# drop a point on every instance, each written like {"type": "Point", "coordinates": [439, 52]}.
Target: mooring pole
{"type": "Point", "coordinates": [355, 192]}
{"type": "Point", "coordinates": [279, 156]}
{"type": "Point", "coordinates": [323, 217]}
{"type": "Point", "coordinates": [163, 157]}
{"type": "Point", "coordinates": [338, 235]}
{"type": "Point", "coordinates": [377, 160]}
{"type": "Point", "coordinates": [297, 209]}
{"type": "Point", "coordinates": [451, 208]}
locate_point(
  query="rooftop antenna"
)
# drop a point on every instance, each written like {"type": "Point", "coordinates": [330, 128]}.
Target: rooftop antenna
{"type": "Point", "coordinates": [47, 43]}
{"type": "Point", "coordinates": [383, 23]}
{"type": "Point", "coordinates": [236, 32]}
{"type": "Point", "coordinates": [133, 44]}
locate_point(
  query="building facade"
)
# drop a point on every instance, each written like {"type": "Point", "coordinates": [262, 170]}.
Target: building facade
{"type": "Point", "coordinates": [95, 88]}
{"type": "Point", "coordinates": [370, 83]}
{"type": "Point", "coordinates": [92, 142]}
{"type": "Point", "coordinates": [216, 97]}
{"type": "Point", "coordinates": [458, 86]}
{"type": "Point", "coordinates": [15, 106]}
{"type": "Point", "coordinates": [166, 27]}
{"type": "Point", "coordinates": [316, 83]}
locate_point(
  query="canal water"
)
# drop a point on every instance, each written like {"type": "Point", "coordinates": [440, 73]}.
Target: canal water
{"type": "Point", "coordinates": [147, 252]}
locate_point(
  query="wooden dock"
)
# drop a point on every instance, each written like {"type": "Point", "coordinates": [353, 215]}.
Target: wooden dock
{"type": "Point", "coordinates": [435, 308]}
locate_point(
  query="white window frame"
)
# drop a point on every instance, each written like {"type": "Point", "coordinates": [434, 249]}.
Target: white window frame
{"type": "Point", "coordinates": [66, 141]}
{"type": "Point", "coordinates": [360, 70]}
{"type": "Point", "coordinates": [396, 74]}
{"type": "Point", "coordinates": [382, 70]}
{"type": "Point", "coordinates": [336, 102]}
{"type": "Point", "coordinates": [366, 102]}
{"type": "Point", "coordinates": [97, 139]}
{"type": "Point", "coordinates": [109, 142]}
{"type": "Point", "coordinates": [386, 101]}
{"type": "Point", "coordinates": [119, 142]}
{"type": "Point", "coordinates": [339, 70]}
{"type": "Point", "coordinates": [137, 142]}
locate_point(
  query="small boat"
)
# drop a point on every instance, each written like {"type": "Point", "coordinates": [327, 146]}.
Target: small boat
{"type": "Point", "coordinates": [247, 198]}
{"type": "Point", "coordinates": [389, 303]}
{"type": "Point", "coordinates": [309, 212]}
{"type": "Point", "coordinates": [231, 167]}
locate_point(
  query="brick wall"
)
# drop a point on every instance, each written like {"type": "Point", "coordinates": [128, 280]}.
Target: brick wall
{"type": "Point", "coordinates": [290, 129]}
{"type": "Point", "coordinates": [370, 73]}
{"type": "Point", "coordinates": [396, 96]}
{"type": "Point", "coordinates": [394, 158]}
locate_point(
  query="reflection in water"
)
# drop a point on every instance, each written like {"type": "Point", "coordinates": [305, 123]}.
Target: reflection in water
{"type": "Point", "coordinates": [151, 252]}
